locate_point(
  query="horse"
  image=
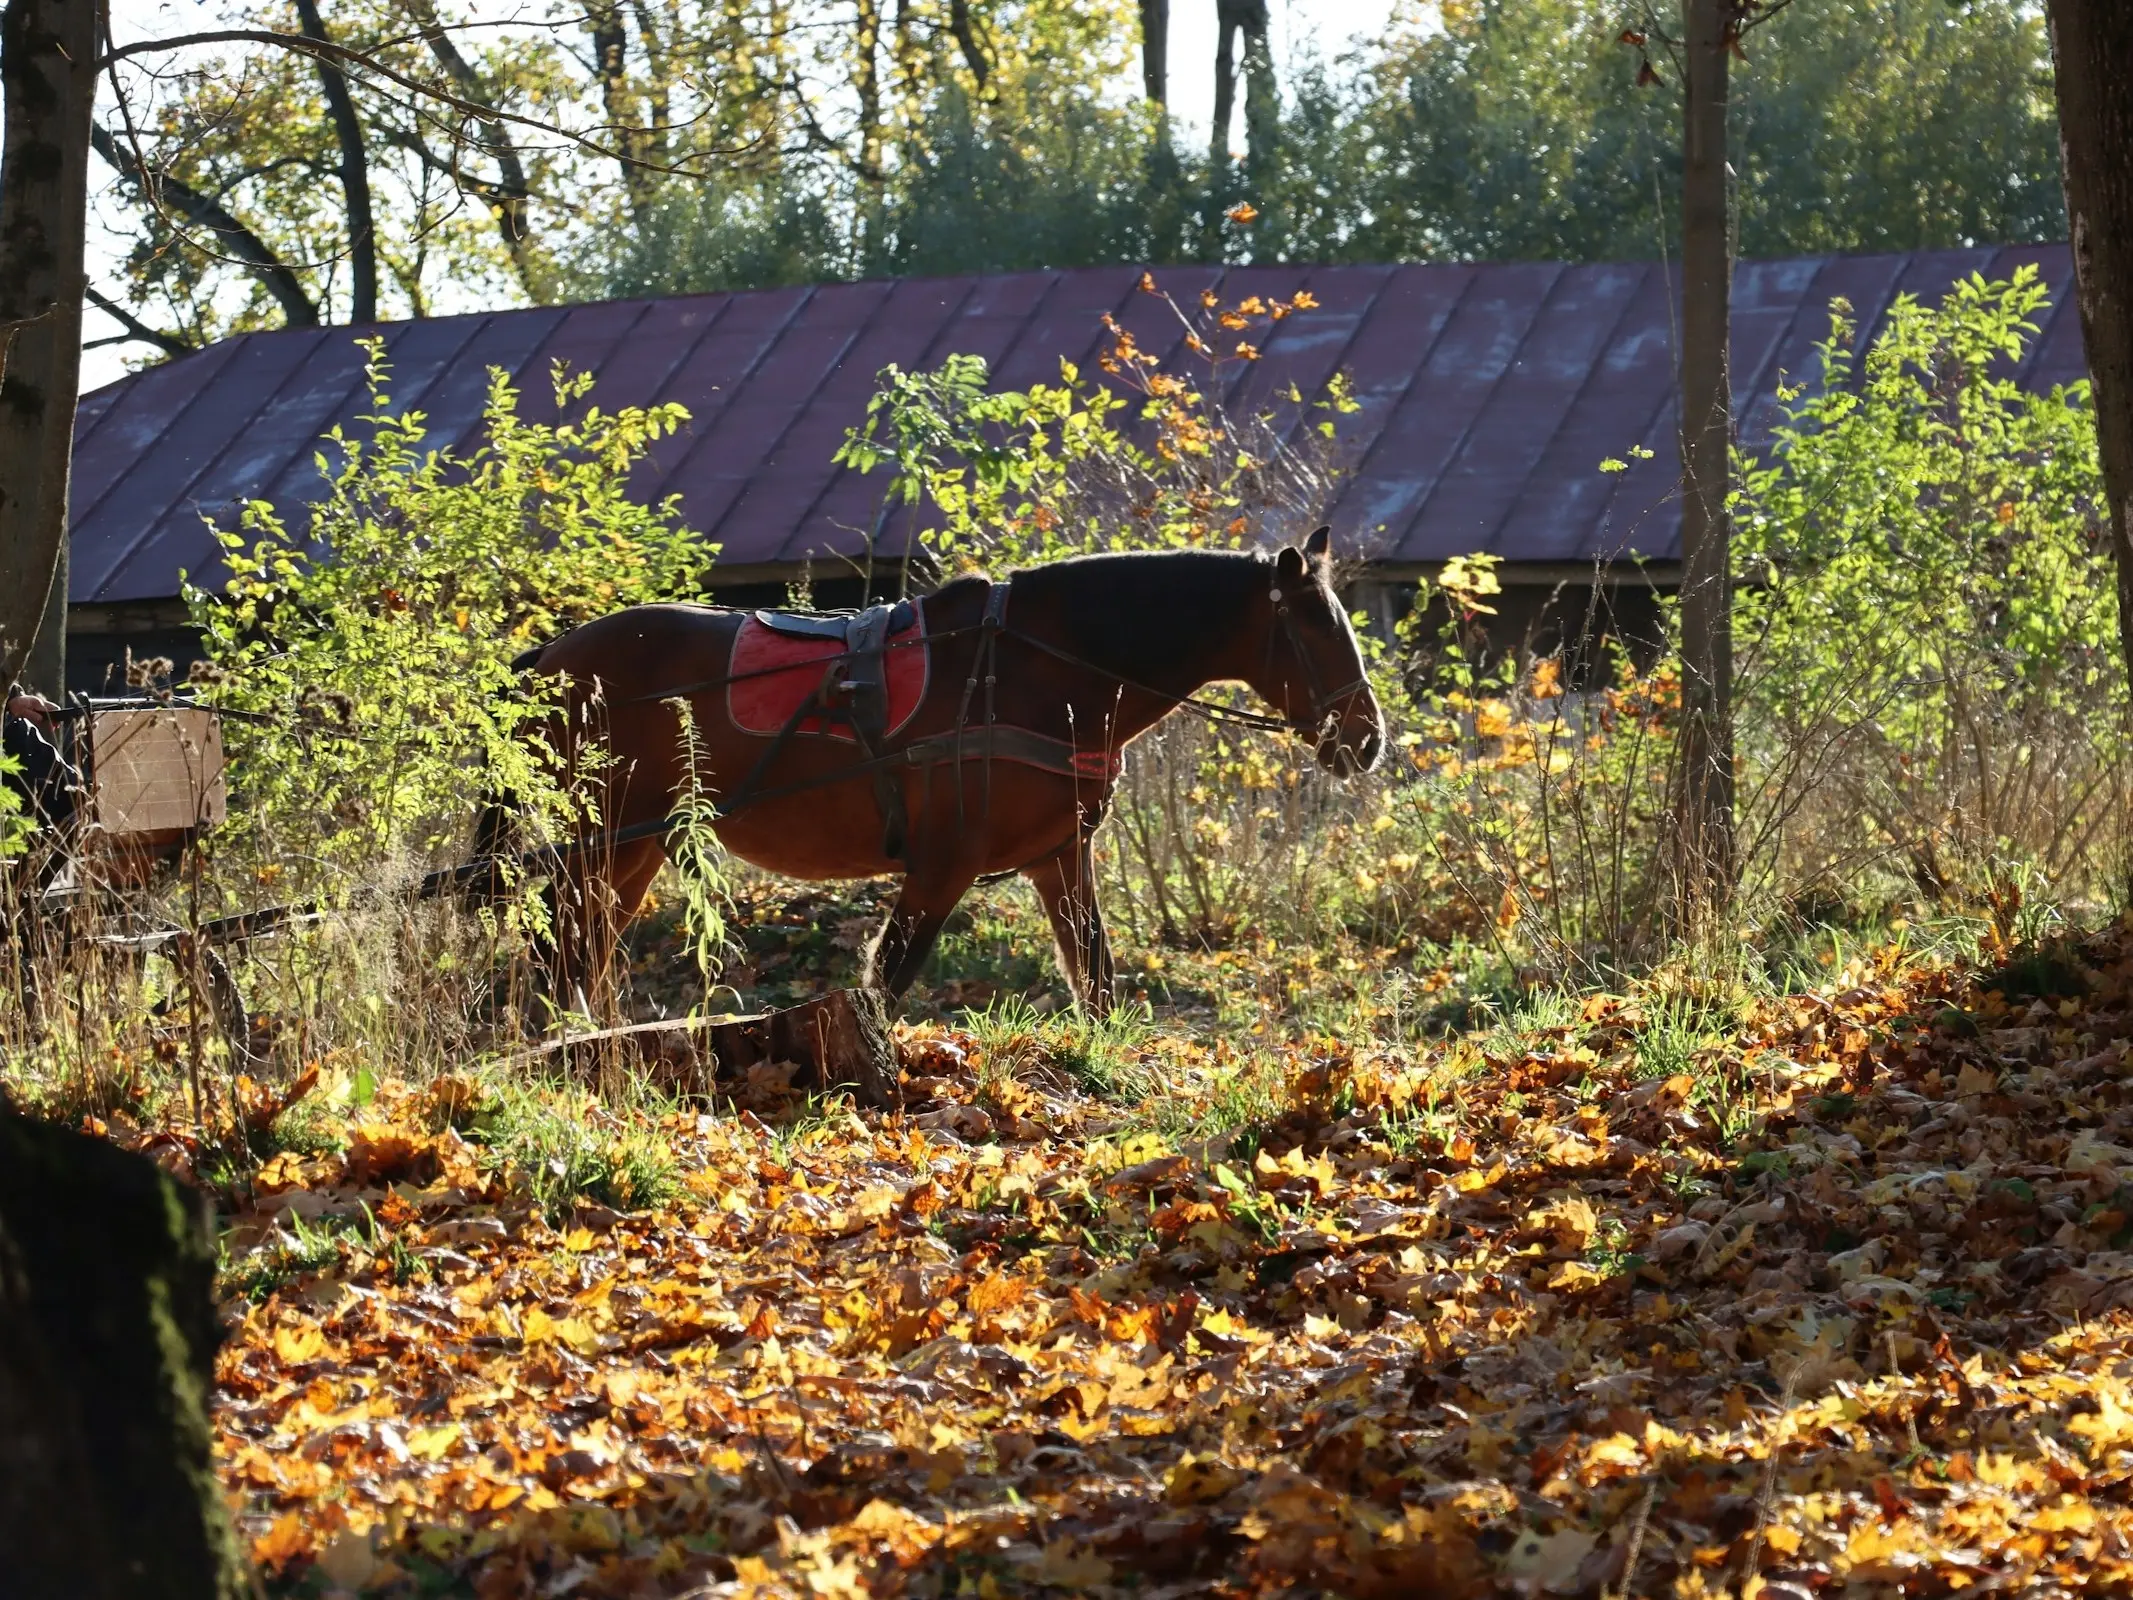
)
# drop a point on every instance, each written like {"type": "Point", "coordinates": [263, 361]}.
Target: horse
{"type": "Point", "coordinates": [999, 721]}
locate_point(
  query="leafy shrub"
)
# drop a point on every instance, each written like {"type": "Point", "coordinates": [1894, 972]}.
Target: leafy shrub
{"type": "Point", "coordinates": [1153, 459]}
{"type": "Point", "coordinates": [369, 653]}
{"type": "Point", "coordinates": [1931, 673]}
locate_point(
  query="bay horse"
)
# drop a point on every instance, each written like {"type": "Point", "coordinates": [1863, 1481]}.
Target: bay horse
{"type": "Point", "coordinates": [1015, 706]}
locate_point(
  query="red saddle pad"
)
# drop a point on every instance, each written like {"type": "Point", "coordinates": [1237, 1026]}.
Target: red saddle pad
{"type": "Point", "coordinates": [771, 674]}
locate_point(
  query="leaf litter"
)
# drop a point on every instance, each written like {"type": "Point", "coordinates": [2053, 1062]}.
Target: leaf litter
{"type": "Point", "coordinates": [1841, 1310]}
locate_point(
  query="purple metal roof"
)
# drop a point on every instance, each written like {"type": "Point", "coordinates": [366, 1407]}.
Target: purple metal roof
{"type": "Point", "coordinates": [1490, 394]}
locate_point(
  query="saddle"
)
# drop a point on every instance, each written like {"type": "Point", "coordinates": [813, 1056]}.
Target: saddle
{"type": "Point", "coordinates": [852, 697]}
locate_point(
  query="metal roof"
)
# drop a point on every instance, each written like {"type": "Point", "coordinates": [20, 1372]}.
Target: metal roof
{"type": "Point", "coordinates": [1490, 393]}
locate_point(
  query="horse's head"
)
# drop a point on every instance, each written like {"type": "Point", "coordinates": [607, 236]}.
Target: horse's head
{"type": "Point", "coordinates": [1314, 666]}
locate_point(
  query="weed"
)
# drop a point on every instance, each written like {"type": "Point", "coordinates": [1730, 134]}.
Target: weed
{"type": "Point", "coordinates": [568, 1146]}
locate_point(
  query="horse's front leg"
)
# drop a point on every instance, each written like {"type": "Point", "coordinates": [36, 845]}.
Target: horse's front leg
{"type": "Point", "coordinates": [914, 925]}
{"type": "Point", "coordinates": [1066, 883]}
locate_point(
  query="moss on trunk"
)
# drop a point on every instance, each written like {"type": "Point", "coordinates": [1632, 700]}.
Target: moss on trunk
{"type": "Point", "coordinates": [107, 1344]}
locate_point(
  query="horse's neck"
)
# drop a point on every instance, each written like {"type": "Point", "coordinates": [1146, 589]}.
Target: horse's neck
{"type": "Point", "coordinates": [1139, 692]}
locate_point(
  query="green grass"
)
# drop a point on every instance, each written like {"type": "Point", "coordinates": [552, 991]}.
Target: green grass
{"type": "Point", "coordinates": [569, 1146]}
{"type": "Point", "coordinates": [1100, 1054]}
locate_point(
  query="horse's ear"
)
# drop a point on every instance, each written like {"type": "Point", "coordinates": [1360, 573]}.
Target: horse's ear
{"type": "Point", "coordinates": [1289, 565]}
{"type": "Point", "coordinates": [1320, 544]}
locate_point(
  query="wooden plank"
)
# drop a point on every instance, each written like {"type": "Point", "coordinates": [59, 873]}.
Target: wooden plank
{"type": "Point", "coordinates": [158, 769]}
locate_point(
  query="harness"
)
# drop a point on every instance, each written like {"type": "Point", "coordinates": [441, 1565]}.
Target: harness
{"type": "Point", "coordinates": [853, 695]}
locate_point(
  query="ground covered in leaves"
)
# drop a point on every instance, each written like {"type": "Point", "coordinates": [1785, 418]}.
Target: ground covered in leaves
{"type": "Point", "coordinates": [1830, 1301]}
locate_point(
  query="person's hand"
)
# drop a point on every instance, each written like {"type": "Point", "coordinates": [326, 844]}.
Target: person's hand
{"type": "Point", "coordinates": [32, 708]}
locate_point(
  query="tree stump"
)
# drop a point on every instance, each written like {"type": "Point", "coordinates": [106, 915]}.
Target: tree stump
{"type": "Point", "coordinates": [108, 1334]}
{"type": "Point", "coordinates": [837, 1041]}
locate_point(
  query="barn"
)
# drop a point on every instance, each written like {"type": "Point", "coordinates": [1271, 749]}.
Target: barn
{"type": "Point", "coordinates": [1489, 395]}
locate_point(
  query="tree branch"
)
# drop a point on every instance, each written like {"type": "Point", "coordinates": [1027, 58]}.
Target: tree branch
{"type": "Point", "coordinates": [965, 30]}
{"type": "Point", "coordinates": [368, 63]}
{"type": "Point", "coordinates": [163, 192]}
{"type": "Point", "coordinates": [355, 171]}
{"type": "Point", "coordinates": [169, 343]}
{"type": "Point", "coordinates": [507, 196]}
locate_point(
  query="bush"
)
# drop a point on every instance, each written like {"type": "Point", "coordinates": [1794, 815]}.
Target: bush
{"type": "Point", "coordinates": [368, 654]}
{"type": "Point", "coordinates": [1930, 675]}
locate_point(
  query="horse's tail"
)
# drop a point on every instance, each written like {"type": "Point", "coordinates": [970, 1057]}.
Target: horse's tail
{"type": "Point", "coordinates": [496, 829]}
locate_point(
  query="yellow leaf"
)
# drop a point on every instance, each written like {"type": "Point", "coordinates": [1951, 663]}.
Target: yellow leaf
{"type": "Point", "coordinates": [430, 1444]}
{"type": "Point", "coordinates": [294, 1346]}
{"type": "Point", "coordinates": [1072, 1565]}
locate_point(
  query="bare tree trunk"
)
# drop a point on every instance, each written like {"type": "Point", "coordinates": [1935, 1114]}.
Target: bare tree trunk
{"type": "Point", "coordinates": [866, 86]}
{"type": "Point", "coordinates": [2092, 57]}
{"type": "Point", "coordinates": [1228, 19]}
{"type": "Point", "coordinates": [1703, 826]}
{"type": "Point", "coordinates": [107, 1352]}
{"type": "Point", "coordinates": [1262, 124]}
{"type": "Point", "coordinates": [47, 78]}
{"type": "Point", "coordinates": [355, 173]}
{"type": "Point", "coordinates": [1155, 51]}
{"type": "Point", "coordinates": [610, 39]}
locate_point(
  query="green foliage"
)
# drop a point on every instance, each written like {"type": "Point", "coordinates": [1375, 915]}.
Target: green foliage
{"type": "Point", "coordinates": [369, 653]}
{"type": "Point", "coordinates": [15, 825]}
{"type": "Point", "coordinates": [1058, 470]}
{"type": "Point", "coordinates": [699, 860]}
{"type": "Point", "coordinates": [1517, 129]}
{"type": "Point", "coordinates": [1934, 607]}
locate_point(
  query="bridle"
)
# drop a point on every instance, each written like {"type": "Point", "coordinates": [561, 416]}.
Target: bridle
{"type": "Point", "coordinates": [1325, 704]}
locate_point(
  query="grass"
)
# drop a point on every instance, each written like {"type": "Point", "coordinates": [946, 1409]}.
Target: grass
{"type": "Point", "coordinates": [571, 1146]}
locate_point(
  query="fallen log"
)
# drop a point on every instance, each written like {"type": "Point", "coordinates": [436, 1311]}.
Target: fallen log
{"type": "Point", "coordinates": [837, 1042]}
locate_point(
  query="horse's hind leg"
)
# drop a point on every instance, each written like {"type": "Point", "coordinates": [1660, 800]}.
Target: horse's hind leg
{"type": "Point", "coordinates": [1066, 883]}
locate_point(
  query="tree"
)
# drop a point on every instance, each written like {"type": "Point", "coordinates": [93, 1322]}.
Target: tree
{"type": "Point", "coordinates": [1703, 822]}
{"type": "Point", "coordinates": [2092, 56]}
{"type": "Point", "coordinates": [48, 78]}
{"type": "Point", "coordinates": [1262, 107]}
{"type": "Point", "coordinates": [1155, 51]}
{"type": "Point", "coordinates": [51, 56]}
{"type": "Point", "coordinates": [1704, 857]}
{"type": "Point", "coordinates": [1512, 132]}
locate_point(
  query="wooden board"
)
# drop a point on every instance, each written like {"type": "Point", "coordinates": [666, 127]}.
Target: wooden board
{"type": "Point", "coordinates": [158, 770]}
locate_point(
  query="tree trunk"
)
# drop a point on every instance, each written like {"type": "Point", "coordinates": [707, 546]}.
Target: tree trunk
{"type": "Point", "coordinates": [1228, 18]}
{"type": "Point", "coordinates": [2092, 58]}
{"type": "Point", "coordinates": [1703, 822]}
{"type": "Point", "coordinates": [48, 80]}
{"type": "Point", "coordinates": [1155, 51]}
{"type": "Point", "coordinates": [107, 1345]}
{"type": "Point", "coordinates": [1262, 128]}
{"type": "Point", "coordinates": [355, 173]}
{"type": "Point", "coordinates": [610, 41]}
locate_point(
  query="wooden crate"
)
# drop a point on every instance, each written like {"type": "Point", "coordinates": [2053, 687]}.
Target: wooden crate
{"type": "Point", "coordinates": [157, 773]}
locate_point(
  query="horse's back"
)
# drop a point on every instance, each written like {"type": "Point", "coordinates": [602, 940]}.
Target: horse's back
{"type": "Point", "coordinates": [642, 650]}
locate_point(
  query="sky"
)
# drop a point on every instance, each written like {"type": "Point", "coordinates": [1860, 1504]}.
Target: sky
{"type": "Point", "coordinates": [1327, 25]}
